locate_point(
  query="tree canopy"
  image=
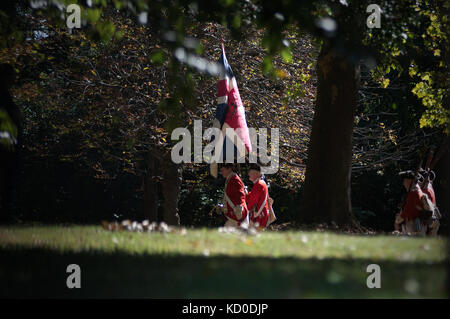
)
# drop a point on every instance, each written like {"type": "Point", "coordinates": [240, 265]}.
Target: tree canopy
{"type": "Point", "coordinates": [102, 96]}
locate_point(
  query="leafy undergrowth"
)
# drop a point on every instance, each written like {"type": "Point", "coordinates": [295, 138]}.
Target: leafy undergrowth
{"type": "Point", "coordinates": [208, 263]}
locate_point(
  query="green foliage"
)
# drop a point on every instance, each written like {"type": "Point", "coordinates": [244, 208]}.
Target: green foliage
{"type": "Point", "coordinates": [7, 127]}
{"type": "Point", "coordinates": [104, 95]}
{"type": "Point", "coordinates": [423, 25]}
{"type": "Point", "coordinates": [415, 45]}
{"type": "Point", "coordinates": [158, 57]}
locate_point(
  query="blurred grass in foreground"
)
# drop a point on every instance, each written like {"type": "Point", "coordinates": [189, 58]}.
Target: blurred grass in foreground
{"type": "Point", "coordinates": [204, 263]}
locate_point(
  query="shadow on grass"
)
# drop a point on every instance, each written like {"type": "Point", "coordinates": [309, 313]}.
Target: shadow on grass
{"type": "Point", "coordinates": [40, 273]}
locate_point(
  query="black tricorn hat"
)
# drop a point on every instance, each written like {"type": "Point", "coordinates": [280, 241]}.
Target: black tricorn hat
{"type": "Point", "coordinates": [407, 174]}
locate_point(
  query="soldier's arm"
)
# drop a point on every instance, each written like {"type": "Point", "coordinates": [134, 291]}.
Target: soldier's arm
{"type": "Point", "coordinates": [253, 197]}
{"type": "Point", "coordinates": [236, 191]}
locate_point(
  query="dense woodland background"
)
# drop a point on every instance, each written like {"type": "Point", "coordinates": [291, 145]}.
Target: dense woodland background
{"type": "Point", "coordinates": [98, 109]}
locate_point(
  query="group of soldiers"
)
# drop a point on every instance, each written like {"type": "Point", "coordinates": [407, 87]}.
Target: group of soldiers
{"type": "Point", "coordinates": [244, 208]}
{"type": "Point", "coordinates": [419, 214]}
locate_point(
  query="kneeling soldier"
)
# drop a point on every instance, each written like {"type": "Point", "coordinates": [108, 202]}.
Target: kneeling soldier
{"type": "Point", "coordinates": [408, 219]}
{"type": "Point", "coordinates": [427, 188]}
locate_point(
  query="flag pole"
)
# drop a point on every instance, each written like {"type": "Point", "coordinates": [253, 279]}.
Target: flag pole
{"type": "Point", "coordinates": [214, 167]}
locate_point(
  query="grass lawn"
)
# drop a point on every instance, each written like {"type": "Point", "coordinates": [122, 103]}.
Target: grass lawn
{"type": "Point", "coordinates": [205, 263]}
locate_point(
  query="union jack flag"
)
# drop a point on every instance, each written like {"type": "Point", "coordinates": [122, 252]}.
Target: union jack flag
{"type": "Point", "coordinates": [230, 114]}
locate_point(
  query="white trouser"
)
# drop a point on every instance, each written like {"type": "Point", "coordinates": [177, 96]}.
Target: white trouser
{"type": "Point", "coordinates": [414, 227]}
{"type": "Point", "coordinates": [434, 227]}
{"type": "Point", "coordinates": [233, 223]}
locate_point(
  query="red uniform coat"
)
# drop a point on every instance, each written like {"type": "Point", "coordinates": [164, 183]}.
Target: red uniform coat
{"type": "Point", "coordinates": [430, 192]}
{"type": "Point", "coordinates": [255, 199]}
{"type": "Point", "coordinates": [413, 204]}
{"type": "Point", "coordinates": [234, 188]}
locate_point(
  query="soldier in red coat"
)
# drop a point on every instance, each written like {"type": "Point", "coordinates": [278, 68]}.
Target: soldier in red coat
{"type": "Point", "coordinates": [234, 206]}
{"type": "Point", "coordinates": [258, 198]}
{"type": "Point", "coordinates": [408, 218]}
{"type": "Point", "coordinates": [427, 188]}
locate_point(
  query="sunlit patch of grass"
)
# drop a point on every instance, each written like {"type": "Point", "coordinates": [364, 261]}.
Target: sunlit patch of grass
{"type": "Point", "coordinates": [206, 263]}
{"type": "Point", "coordinates": [209, 241]}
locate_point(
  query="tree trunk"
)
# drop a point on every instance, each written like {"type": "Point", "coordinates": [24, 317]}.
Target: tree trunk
{"type": "Point", "coordinates": [171, 186]}
{"type": "Point", "coordinates": [326, 194]}
{"type": "Point", "coordinates": [151, 189]}
{"type": "Point", "coordinates": [162, 172]}
{"type": "Point", "coordinates": [10, 157]}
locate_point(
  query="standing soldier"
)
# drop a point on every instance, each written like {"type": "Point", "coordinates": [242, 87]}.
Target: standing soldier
{"type": "Point", "coordinates": [258, 198]}
{"type": "Point", "coordinates": [427, 188]}
{"type": "Point", "coordinates": [234, 206]}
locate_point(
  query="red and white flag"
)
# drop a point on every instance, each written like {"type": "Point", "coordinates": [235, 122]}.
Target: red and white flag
{"type": "Point", "coordinates": [230, 114]}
